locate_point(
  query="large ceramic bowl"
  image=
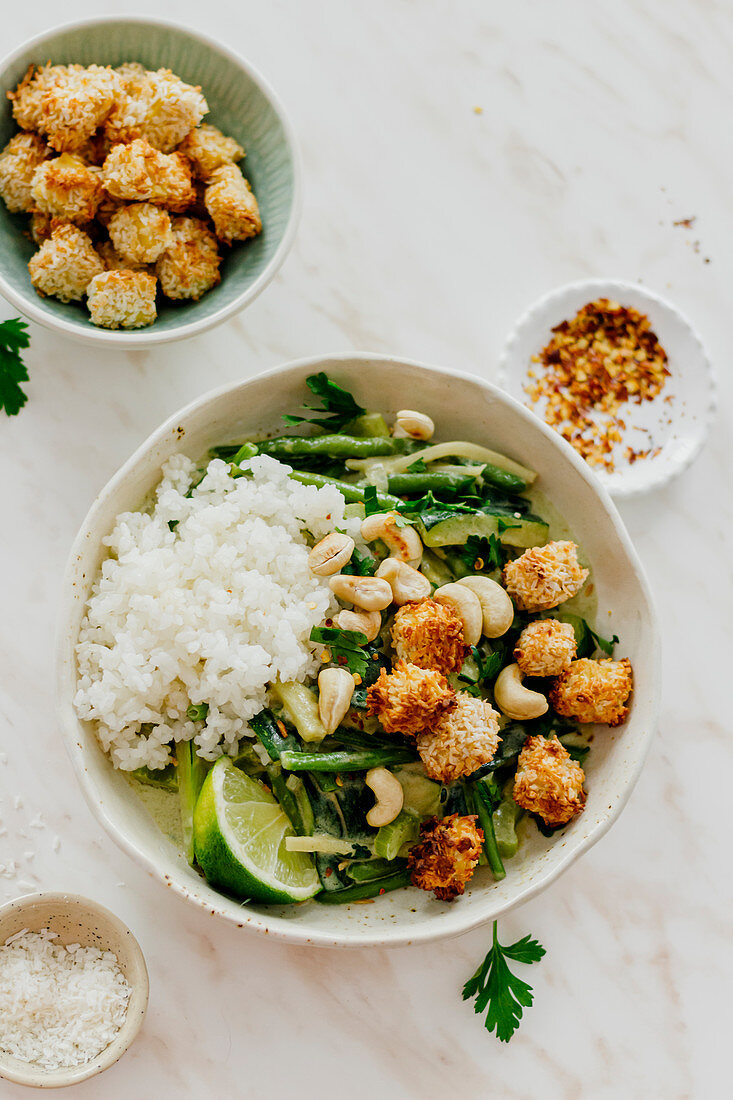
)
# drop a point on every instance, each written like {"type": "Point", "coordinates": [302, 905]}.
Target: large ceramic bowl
{"type": "Point", "coordinates": [463, 407]}
{"type": "Point", "coordinates": [240, 103]}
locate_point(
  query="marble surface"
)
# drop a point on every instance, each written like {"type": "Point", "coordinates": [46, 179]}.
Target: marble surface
{"type": "Point", "coordinates": [428, 226]}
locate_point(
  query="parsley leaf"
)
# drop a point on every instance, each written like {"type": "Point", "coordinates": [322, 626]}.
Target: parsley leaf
{"type": "Point", "coordinates": [361, 564]}
{"type": "Point", "coordinates": [431, 511]}
{"type": "Point", "coordinates": [483, 554]}
{"type": "Point", "coordinates": [604, 644]}
{"type": "Point", "coordinates": [13, 338]}
{"type": "Point", "coordinates": [339, 407]}
{"type": "Point", "coordinates": [371, 504]}
{"type": "Point", "coordinates": [500, 993]}
{"type": "Point", "coordinates": [345, 646]}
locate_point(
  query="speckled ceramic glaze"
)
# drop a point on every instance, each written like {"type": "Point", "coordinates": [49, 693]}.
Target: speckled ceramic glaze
{"type": "Point", "coordinates": [675, 425]}
{"type": "Point", "coordinates": [241, 104]}
{"type": "Point", "coordinates": [78, 920]}
{"type": "Point", "coordinates": [463, 407]}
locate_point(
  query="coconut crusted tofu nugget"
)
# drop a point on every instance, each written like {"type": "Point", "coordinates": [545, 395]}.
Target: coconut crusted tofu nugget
{"type": "Point", "coordinates": [544, 576]}
{"type": "Point", "coordinates": [594, 691]}
{"type": "Point", "coordinates": [122, 299]}
{"type": "Point", "coordinates": [409, 699]}
{"type": "Point", "coordinates": [68, 103]}
{"type": "Point", "coordinates": [545, 648]}
{"type": "Point", "coordinates": [232, 205]}
{"type": "Point", "coordinates": [40, 226]}
{"type": "Point", "coordinates": [67, 188]}
{"type": "Point", "coordinates": [430, 635]}
{"type": "Point", "coordinates": [461, 740]}
{"type": "Point", "coordinates": [114, 262]}
{"type": "Point", "coordinates": [208, 149]}
{"type": "Point", "coordinates": [548, 781]}
{"type": "Point", "coordinates": [18, 162]}
{"type": "Point", "coordinates": [139, 173]}
{"type": "Point", "coordinates": [140, 232]}
{"type": "Point", "coordinates": [189, 266]}
{"type": "Point", "coordinates": [65, 264]}
{"type": "Point", "coordinates": [446, 856]}
{"type": "Point", "coordinates": [157, 106]}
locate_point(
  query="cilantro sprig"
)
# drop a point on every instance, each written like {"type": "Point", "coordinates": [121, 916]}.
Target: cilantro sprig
{"type": "Point", "coordinates": [498, 992]}
{"type": "Point", "coordinates": [430, 511]}
{"type": "Point", "coordinates": [346, 646]}
{"type": "Point", "coordinates": [13, 339]}
{"type": "Point", "coordinates": [483, 554]}
{"type": "Point", "coordinates": [339, 407]}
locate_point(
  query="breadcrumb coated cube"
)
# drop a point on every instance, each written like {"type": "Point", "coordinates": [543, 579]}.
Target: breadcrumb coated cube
{"type": "Point", "coordinates": [140, 232]}
{"type": "Point", "coordinates": [232, 205]}
{"type": "Point", "coordinates": [157, 106]}
{"type": "Point", "coordinates": [41, 226]}
{"type": "Point", "coordinates": [430, 635]}
{"type": "Point", "coordinates": [18, 162]}
{"type": "Point", "coordinates": [409, 699]}
{"type": "Point", "coordinates": [67, 188]}
{"type": "Point", "coordinates": [446, 856]}
{"type": "Point", "coordinates": [461, 740]}
{"type": "Point", "coordinates": [548, 781]}
{"type": "Point", "coordinates": [208, 149]}
{"type": "Point", "coordinates": [65, 264]}
{"type": "Point", "coordinates": [122, 299]}
{"type": "Point", "coordinates": [544, 576]}
{"type": "Point", "coordinates": [139, 173]}
{"type": "Point", "coordinates": [189, 266]}
{"type": "Point", "coordinates": [68, 103]}
{"type": "Point", "coordinates": [545, 648]}
{"type": "Point", "coordinates": [594, 691]}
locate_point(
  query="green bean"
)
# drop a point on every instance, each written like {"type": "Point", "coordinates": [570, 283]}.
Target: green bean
{"type": "Point", "coordinates": [337, 446]}
{"type": "Point", "coordinates": [344, 761]}
{"type": "Point", "coordinates": [503, 479]}
{"type": "Point", "coordinates": [364, 890]}
{"type": "Point", "coordinates": [286, 797]}
{"type": "Point", "coordinates": [268, 733]}
{"type": "Point", "coordinates": [484, 808]}
{"type": "Point", "coordinates": [505, 819]}
{"type": "Point", "coordinates": [353, 494]}
{"type": "Point", "coordinates": [197, 712]}
{"type": "Point", "coordinates": [247, 450]}
{"type": "Point", "coordinates": [437, 482]}
{"type": "Point", "coordinates": [371, 869]}
{"type": "Point", "coordinates": [191, 773]}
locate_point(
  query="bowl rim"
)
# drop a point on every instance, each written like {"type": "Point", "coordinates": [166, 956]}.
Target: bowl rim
{"type": "Point", "coordinates": [248, 918]}
{"type": "Point", "coordinates": [540, 307]}
{"type": "Point", "coordinates": [37, 1077]}
{"type": "Point", "coordinates": [137, 339]}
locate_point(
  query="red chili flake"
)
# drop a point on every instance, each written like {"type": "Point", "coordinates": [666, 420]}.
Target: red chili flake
{"type": "Point", "coordinates": [281, 727]}
{"type": "Point", "coordinates": [328, 871]}
{"type": "Point", "coordinates": [382, 891]}
{"type": "Point", "coordinates": [341, 659]}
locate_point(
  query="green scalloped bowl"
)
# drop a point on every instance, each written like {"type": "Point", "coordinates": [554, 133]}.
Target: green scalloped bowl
{"type": "Point", "coordinates": [241, 104]}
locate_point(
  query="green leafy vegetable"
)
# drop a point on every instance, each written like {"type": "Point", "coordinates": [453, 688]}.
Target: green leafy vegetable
{"type": "Point", "coordinates": [500, 993]}
{"type": "Point", "coordinates": [339, 407]}
{"type": "Point", "coordinates": [488, 552]}
{"type": "Point", "coordinates": [13, 338]}
{"type": "Point", "coordinates": [345, 646]}
{"type": "Point", "coordinates": [419, 466]}
{"type": "Point", "coordinates": [604, 644]}
{"type": "Point", "coordinates": [361, 564]}
{"type": "Point", "coordinates": [371, 503]}
{"type": "Point", "coordinates": [430, 511]}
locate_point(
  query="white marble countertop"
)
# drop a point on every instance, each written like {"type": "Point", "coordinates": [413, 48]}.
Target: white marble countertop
{"type": "Point", "coordinates": [427, 228]}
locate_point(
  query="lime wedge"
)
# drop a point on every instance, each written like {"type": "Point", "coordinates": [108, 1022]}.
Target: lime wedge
{"type": "Point", "coordinates": [239, 833]}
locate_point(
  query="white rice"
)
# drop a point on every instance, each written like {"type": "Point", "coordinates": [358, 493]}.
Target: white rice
{"type": "Point", "coordinates": [59, 1005]}
{"type": "Point", "coordinates": [211, 612]}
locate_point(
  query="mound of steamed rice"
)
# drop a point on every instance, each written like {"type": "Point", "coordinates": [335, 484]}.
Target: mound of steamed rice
{"type": "Point", "coordinates": [206, 597]}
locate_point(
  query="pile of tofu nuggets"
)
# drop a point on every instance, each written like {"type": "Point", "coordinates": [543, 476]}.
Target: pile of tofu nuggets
{"type": "Point", "coordinates": [126, 189]}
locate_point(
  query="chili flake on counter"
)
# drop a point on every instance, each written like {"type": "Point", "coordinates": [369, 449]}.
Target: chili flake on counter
{"type": "Point", "coordinates": [607, 356]}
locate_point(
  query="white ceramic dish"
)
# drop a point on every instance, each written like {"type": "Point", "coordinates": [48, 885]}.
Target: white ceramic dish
{"type": "Point", "coordinates": [463, 407]}
{"type": "Point", "coordinates": [241, 103]}
{"type": "Point", "coordinates": [78, 920]}
{"type": "Point", "coordinates": [678, 426]}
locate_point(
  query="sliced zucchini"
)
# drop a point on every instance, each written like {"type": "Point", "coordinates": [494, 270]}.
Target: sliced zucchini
{"type": "Point", "coordinates": [522, 533]}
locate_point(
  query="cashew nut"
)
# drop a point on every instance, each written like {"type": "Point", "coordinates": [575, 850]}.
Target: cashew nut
{"type": "Point", "coordinates": [403, 542]}
{"type": "Point", "coordinates": [368, 593]}
{"type": "Point", "coordinates": [515, 700]}
{"type": "Point", "coordinates": [496, 606]}
{"type": "Point", "coordinates": [389, 796]}
{"type": "Point", "coordinates": [335, 687]}
{"type": "Point", "coordinates": [367, 622]}
{"type": "Point", "coordinates": [406, 583]}
{"type": "Point", "coordinates": [467, 605]}
{"type": "Point", "coordinates": [413, 425]}
{"type": "Point", "coordinates": [331, 554]}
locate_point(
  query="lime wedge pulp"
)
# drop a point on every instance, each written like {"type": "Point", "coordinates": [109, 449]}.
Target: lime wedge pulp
{"type": "Point", "coordinates": [239, 839]}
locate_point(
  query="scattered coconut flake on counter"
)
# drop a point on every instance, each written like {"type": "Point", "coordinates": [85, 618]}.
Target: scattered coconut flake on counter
{"type": "Point", "coordinates": [59, 1005]}
{"type": "Point", "coordinates": [206, 597]}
